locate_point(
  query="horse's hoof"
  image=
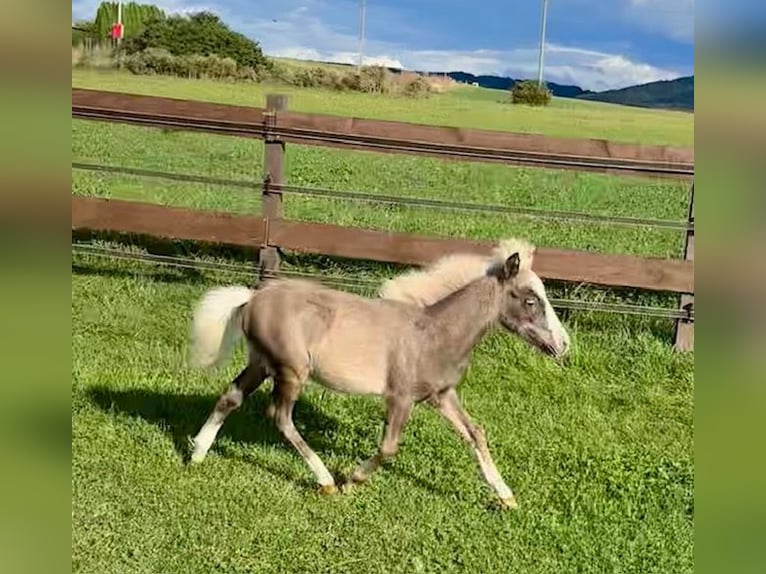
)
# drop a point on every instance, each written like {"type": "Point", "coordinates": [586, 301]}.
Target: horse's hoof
{"type": "Point", "coordinates": [328, 489]}
{"type": "Point", "coordinates": [509, 503]}
{"type": "Point", "coordinates": [347, 487]}
{"type": "Point", "coordinates": [197, 457]}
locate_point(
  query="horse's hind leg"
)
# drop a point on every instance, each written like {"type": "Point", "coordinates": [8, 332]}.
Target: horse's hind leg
{"type": "Point", "coordinates": [399, 409]}
{"type": "Point", "coordinates": [287, 388]}
{"type": "Point", "coordinates": [246, 382]}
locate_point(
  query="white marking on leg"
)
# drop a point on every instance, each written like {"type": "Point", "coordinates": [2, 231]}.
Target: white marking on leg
{"type": "Point", "coordinates": [205, 437]}
{"type": "Point", "coordinates": [324, 478]}
{"type": "Point", "coordinates": [492, 476]}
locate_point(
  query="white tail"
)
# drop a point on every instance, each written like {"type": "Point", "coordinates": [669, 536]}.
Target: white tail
{"type": "Point", "coordinates": [216, 327]}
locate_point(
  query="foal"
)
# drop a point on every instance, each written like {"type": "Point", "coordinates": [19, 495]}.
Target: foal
{"type": "Point", "coordinates": [410, 345]}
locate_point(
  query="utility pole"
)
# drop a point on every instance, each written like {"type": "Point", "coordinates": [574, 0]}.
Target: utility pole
{"type": "Point", "coordinates": [362, 10]}
{"type": "Point", "coordinates": [541, 57]}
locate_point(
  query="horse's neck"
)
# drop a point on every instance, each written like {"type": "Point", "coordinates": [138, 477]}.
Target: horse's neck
{"type": "Point", "coordinates": [461, 319]}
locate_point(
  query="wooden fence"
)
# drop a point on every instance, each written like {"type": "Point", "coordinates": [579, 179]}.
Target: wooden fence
{"type": "Point", "coordinates": [270, 230]}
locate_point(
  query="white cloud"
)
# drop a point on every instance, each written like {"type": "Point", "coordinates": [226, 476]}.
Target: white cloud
{"type": "Point", "coordinates": [300, 34]}
{"type": "Point", "coordinates": [671, 18]}
{"type": "Point", "coordinates": [301, 53]}
{"type": "Point", "coordinates": [294, 29]}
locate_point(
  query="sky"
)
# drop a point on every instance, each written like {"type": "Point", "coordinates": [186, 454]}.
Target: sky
{"type": "Point", "coordinates": [596, 44]}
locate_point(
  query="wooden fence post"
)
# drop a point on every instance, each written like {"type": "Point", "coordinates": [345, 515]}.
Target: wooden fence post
{"type": "Point", "coordinates": [274, 174]}
{"type": "Point", "coordinates": [684, 337]}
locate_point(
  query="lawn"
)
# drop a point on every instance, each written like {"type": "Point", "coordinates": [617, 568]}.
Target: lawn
{"type": "Point", "coordinates": [599, 452]}
{"type": "Point", "coordinates": [465, 106]}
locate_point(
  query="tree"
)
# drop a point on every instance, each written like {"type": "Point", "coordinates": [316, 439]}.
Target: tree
{"type": "Point", "coordinates": [134, 18]}
{"type": "Point", "coordinates": [203, 34]}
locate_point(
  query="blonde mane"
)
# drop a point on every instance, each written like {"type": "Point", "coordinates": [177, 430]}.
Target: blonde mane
{"type": "Point", "coordinates": [446, 275]}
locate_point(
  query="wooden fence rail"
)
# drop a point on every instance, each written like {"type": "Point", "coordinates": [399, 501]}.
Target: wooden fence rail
{"type": "Point", "coordinates": [269, 230]}
{"type": "Point", "coordinates": [385, 136]}
{"type": "Point", "coordinates": [97, 214]}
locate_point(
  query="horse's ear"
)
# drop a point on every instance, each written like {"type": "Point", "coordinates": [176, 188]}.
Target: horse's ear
{"type": "Point", "coordinates": [510, 267]}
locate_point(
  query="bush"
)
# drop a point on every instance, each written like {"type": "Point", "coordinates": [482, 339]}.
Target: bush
{"type": "Point", "coordinates": [316, 77]}
{"type": "Point", "coordinates": [95, 56]}
{"type": "Point", "coordinates": [155, 61]}
{"type": "Point", "coordinates": [530, 93]}
{"type": "Point", "coordinates": [201, 34]}
{"type": "Point", "coordinates": [370, 80]}
{"type": "Point", "coordinates": [417, 87]}
{"type": "Point", "coordinates": [375, 80]}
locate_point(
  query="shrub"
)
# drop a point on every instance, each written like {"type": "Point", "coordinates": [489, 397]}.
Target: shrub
{"type": "Point", "coordinates": [370, 79]}
{"type": "Point", "coordinates": [417, 87]}
{"type": "Point", "coordinates": [375, 80]}
{"type": "Point", "coordinates": [95, 56]}
{"type": "Point", "coordinates": [282, 73]}
{"type": "Point", "coordinates": [152, 61]}
{"type": "Point", "coordinates": [156, 61]}
{"type": "Point", "coordinates": [530, 93]}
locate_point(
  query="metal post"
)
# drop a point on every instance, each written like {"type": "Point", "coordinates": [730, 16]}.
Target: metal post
{"type": "Point", "coordinates": [541, 57]}
{"type": "Point", "coordinates": [362, 11]}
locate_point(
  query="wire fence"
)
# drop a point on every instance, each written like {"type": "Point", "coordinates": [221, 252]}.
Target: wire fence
{"type": "Point", "coordinates": [418, 202]}
{"type": "Point", "coordinates": [352, 283]}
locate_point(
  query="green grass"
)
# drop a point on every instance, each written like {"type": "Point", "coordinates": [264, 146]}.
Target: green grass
{"type": "Point", "coordinates": [464, 107]}
{"type": "Point", "coordinates": [599, 452]}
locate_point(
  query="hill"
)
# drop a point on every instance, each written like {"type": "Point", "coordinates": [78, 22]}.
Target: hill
{"type": "Point", "coordinates": [669, 94]}
{"type": "Point", "coordinates": [504, 83]}
{"type": "Point", "coordinates": [673, 94]}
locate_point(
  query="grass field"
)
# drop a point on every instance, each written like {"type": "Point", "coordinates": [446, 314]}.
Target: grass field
{"type": "Point", "coordinates": [465, 106]}
{"type": "Point", "coordinates": [599, 453]}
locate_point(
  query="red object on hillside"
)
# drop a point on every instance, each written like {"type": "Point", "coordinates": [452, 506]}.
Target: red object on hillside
{"type": "Point", "coordinates": [117, 31]}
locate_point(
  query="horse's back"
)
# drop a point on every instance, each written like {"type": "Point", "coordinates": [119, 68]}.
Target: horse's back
{"type": "Point", "coordinates": [344, 339]}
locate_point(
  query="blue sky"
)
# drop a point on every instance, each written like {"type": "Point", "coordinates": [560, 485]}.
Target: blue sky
{"type": "Point", "coordinates": [597, 44]}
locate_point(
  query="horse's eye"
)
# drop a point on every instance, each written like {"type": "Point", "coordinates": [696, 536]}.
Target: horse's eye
{"type": "Point", "coordinates": [530, 302]}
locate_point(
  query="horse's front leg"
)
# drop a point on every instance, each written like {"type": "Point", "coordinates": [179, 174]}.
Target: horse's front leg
{"type": "Point", "coordinates": [448, 404]}
{"type": "Point", "coordinates": [399, 409]}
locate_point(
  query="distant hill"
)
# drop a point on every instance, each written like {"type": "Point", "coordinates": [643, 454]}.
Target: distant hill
{"type": "Point", "coordinates": [502, 83]}
{"type": "Point", "coordinates": [668, 94]}
{"type": "Point", "coordinates": [674, 94]}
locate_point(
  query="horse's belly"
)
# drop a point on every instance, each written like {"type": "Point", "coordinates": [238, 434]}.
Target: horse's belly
{"type": "Point", "coordinates": [351, 378]}
{"type": "Point", "coordinates": [351, 372]}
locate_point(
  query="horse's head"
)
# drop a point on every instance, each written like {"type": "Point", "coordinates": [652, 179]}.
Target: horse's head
{"type": "Point", "coordinates": [525, 309]}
